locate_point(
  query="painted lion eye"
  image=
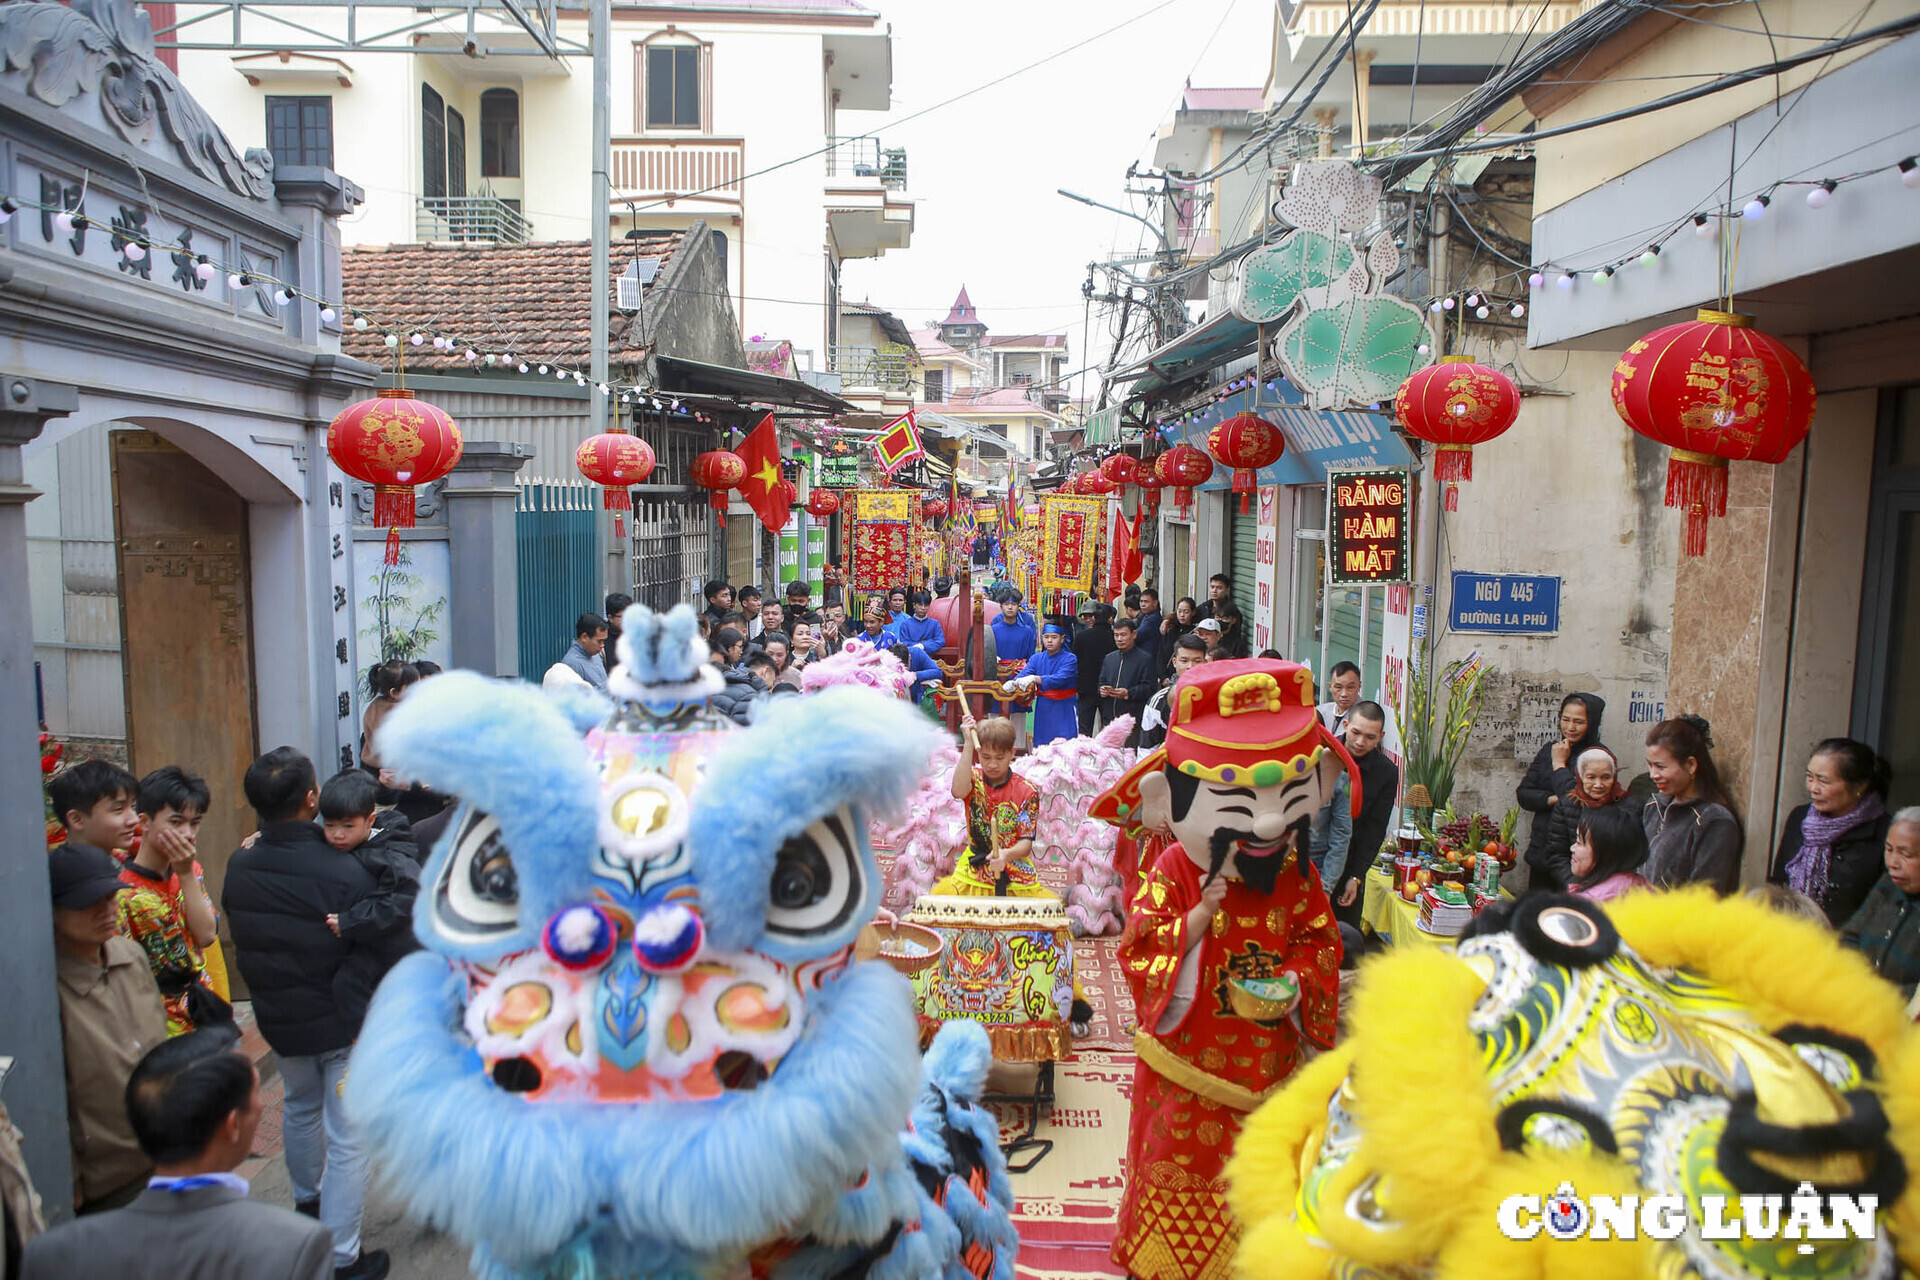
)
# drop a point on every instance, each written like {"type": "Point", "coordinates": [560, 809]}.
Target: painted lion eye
{"type": "Point", "coordinates": [817, 881]}
{"type": "Point", "coordinates": [476, 895]}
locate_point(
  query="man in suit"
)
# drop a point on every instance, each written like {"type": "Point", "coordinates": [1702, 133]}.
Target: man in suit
{"type": "Point", "coordinates": [1128, 677]}
{"type": "Point", "coordinates": [194, 1102]}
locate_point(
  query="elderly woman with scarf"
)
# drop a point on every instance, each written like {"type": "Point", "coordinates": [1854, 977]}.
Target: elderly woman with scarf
{"type": "Point", "coordinates": [1598, 787]}
{"type": "Point", "coordinates": [1550, 779]}
{"type": "Point", "coordinates": [1830, 849]}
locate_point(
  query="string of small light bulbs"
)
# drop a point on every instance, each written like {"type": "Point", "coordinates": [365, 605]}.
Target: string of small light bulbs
{"type": "Point", "coordinates": [135, 248]}
{"type": "Point", "coordinates": [1705, 224]}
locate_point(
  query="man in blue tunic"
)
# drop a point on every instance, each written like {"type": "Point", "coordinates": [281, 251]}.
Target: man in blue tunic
{"type": "Point", "coordinates": [918, 631]}
{"type": "Point", "coordinates": [1014, 641]}
{"type": "Point", "coordinates": [1056, 674]}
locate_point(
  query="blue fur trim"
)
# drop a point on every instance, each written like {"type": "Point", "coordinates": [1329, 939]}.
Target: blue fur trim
{"type": "Point", "coordinates": [711, 1178]}
{"type": "Point", "coordinates": [804, 758]}
{"type": "Point", "coordinates": [864, 1215]}
{"type": "Point", "coordinates": [959, 1058]}
{"type": "Point", "coordinates": [584, 708]}
{"type": "Point", "coordinates": [985, 1128]}
{"type": "Point", "coordinates": [661, 648]}
{"type": "Point", "coordinates": [507, 750]}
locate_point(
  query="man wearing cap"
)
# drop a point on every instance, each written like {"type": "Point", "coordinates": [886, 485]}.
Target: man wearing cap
{"type": "Point", "coordinates": [111, 1013]}
{"type": "Point", "coordinates": [1015, 639]}
{"type": "Point", "coordinates": [1054, 675]}
{"type": "Point", "coordinates": [1230, 949]}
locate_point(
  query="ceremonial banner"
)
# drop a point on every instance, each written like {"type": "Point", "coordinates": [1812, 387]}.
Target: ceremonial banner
{"type": "Point", "coordinates": [883, 532]}
{"type": "Point", "coordinates": [898, 444]}
{"type": "Point", "coordinates": [1069, 540]}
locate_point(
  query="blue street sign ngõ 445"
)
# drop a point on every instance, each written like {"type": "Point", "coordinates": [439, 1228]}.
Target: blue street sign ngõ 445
{"type": "Point", "coordinates": [1511, 603]}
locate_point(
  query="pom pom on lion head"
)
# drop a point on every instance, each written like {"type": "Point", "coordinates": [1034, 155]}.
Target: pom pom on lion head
{"type": "Point", "coordinates": [1696, 1071]}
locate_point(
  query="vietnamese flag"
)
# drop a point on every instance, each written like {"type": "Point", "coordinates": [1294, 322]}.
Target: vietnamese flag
{"type": "Point", "coordinates": [761, 485]}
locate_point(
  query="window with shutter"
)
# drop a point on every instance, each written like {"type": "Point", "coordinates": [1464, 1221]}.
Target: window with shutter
{"type": "Point", "coordinates": [300, 131]}
{"type": "Point", "coordinates": [673, 92]}
{"type": "Point", "coordinates": [433, 143]}
{"type": "Point", "coordinates": [499, 134]}
{"type": "Point", "coordinates": [936, 385]}
{"type": "Point", "coordinates": [456, 153]}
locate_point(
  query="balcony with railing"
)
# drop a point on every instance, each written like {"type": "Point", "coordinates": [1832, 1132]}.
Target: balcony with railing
{"type": "Point", "coordinates": [470, 218]}
{"type": "Point", "coordinates": [868, 368]}
{"type": "Point", "coordinates": [864, 157]}
{"type": "Point", "coordinates": [703, 172]}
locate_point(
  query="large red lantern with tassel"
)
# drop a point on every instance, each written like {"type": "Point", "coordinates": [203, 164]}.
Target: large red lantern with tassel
{"type": "Point", "coordinates": [934, 510]}
{"type": "Point", "coordinates": [393, 443]}
{"type": "Point", "coordinates": [789, 494]}
{"type": "Point", "coordinates": [1246, 443]}
{"type": "Point", "coordinates": [616, 460]}
{"type": "Point", "coordinates": [1094, 484]}
{"type": "Point", "coordinates": [1150, 486]}
{"type": "Point", "coordinates": [718, 471]}
{"type": "Point", "coordinates": [822, 503]}
{"type": "Point", "coordinates": [1121, 468]}
{"type": "Point", "coordinates": [1456, 405]}
{"type": "Point", "coordinates": [1713, 390]}
{"type": "Point", "coordinates": [1186, 469]}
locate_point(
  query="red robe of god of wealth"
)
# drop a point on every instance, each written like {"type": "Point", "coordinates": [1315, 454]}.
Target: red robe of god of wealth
{"type": "Point", "coordinates": [1202, 1066]}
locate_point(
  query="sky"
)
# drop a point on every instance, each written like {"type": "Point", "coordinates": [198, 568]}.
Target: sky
{"type": "Point", "coordinates": [984, 171]}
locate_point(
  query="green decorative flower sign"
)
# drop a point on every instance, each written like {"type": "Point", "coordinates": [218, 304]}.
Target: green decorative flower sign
{"type": "Point", "coordinates": [1343, 342]}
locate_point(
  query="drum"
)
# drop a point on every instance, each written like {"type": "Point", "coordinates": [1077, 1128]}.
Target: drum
{"type": "Point", "coordinates": [1007, 965]}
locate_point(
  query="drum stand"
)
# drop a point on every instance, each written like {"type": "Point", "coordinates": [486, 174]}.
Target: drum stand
{"type": "Point", "coordinates": [1040, 1099]}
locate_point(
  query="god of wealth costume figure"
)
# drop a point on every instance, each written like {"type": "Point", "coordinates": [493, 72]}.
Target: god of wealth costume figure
{"type": "Point", "coordinates": [637, 1044]}
{"type": "Point", "coordinates": [1492, 1107]}
{"type": "Point", "coordinates": [1231, 948]}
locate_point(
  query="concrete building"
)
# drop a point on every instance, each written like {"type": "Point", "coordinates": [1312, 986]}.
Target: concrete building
{"type": "Point", "coordinates": [461, 139]}
{"type": "Point", "coordinates": [996, 387]}
{"type": "Point", "coordinates": [1209, 214]}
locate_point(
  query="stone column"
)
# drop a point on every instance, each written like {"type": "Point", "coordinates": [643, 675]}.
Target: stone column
{"type": "Point", "coordinates": [35, 1091]}
{"type": "Point", "coordinates": [484, 603]}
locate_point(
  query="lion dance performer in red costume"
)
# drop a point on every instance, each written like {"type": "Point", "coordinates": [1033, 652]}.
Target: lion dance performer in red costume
{"type": "Point", "coordinates": [1231, 948]}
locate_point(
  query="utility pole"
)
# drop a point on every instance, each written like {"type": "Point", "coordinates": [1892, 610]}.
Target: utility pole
{"type": "Point", "coordinates": [600, 42]}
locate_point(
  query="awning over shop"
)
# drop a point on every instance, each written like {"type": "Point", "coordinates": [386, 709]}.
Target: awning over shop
{"type": "Point", "coordinates": [691, 377]}
{"type": "Point", "coordinates": [1225, 337]}
{"type": "Point", "coordinates": [1102, 427]}
{"type": "Point", "coordinates": [1318, 440]}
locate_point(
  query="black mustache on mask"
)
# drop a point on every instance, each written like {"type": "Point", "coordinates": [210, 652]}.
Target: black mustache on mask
{"type": "Point", "coordinates": [1260, 874]}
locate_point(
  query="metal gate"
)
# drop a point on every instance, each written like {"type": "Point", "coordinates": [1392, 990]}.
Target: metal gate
{"type": "Point", "coordinates": [672, 544]}
{"type": "Point", "coordinates": [553, 533]}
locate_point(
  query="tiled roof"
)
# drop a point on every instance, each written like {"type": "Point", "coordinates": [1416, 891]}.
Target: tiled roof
{"type": "Point", "coordinates": [1028, 340]}
{"type": "Point", "coordinates": [962, 312]}
{"type": "Point", "coordinates": [1223, 99]}
{"type": "Point", "coordinates": [927, 342]}
{"type": "Point", "coordinates": [1012, 400]}
{"type": "Point", "coordinates": [529, 300]}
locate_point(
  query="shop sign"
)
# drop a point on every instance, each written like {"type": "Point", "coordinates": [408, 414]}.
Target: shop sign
{"type": "Point", "coordinates": [1506, 603]}
{"type": "Point", "coordinates": [1368, 513]}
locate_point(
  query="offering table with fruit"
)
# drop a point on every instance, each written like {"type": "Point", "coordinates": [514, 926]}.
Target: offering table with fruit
{"type": "Point", "coordinates": [1430, 892]}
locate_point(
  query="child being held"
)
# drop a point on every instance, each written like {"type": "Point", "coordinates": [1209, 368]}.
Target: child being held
{"type": "Point", "coordinates": [382, 841]}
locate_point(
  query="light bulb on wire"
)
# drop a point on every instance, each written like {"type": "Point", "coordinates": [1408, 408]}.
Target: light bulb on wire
{"type": "Point", "coordinates": [1482, 312]}
{"type": "Point", "coordinates": [1603, 275]}
{"type": "Point", "coordinates": [328, 315]}
{"type": "Point", "coordinates": [1519, 310]}
{"type": "Point", "coordinates": [1910, 173]}
{"type": "Point", "coordinates": [64, 220]}
{"type": "Point", "coordinates": [359, 324]}
{"type": "Point", "coordinates": [1756, 208]}
{"type": "Point", "coordinates": [1536, 281]}
{"type": "Point", "coordinates": [1821, 196]}
{"type": "Point", "coordinates": [1447, 303]}
{"type": "Point", "coordinates": [133, 251]}
{"type": "Point", "coordinates": [1703, 226]}
{"type": "Point", "coordinates": [7, 209]}
{"type": "Point", "coordinates": [203, 267]}
{"type": "Point", "coordinates": [1434, 306]}
{"type": "Point", "coordinates": [1566, 280]}
{"type": "Point", "coordinates": [1651, 256]}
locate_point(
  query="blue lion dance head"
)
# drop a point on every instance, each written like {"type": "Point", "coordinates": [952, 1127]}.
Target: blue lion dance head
{"type": "Point", "coordinates": [637, 1043]}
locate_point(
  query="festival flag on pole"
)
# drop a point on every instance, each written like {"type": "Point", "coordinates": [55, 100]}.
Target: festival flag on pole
{"type": "Point", "coordinates": [761, 485]}
{"type": "Point", "coordinates": [898, 444]}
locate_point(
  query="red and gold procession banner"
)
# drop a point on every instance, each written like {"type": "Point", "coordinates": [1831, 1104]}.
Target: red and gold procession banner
{"type": "Point", "coordinates": [885, 536]}
{"type": "Point", "coordinates": [1069, 541]}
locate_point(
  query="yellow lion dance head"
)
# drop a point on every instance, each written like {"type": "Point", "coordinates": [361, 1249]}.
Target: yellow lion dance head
{"type": "Point", "coordinates": [1689, 1072]}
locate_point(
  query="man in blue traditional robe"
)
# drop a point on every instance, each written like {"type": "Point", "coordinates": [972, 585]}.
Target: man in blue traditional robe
{"type": "Point", "coordinates": [1056, 673]}
{"type": "Point", "coordinates": [917, 630]}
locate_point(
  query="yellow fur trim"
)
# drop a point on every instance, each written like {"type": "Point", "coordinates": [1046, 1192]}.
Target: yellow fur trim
{"type": "Point", "coordinates": [1900, 1094]}
{"type": "Point", "coordinates": [1423, 1105]}
{"type": "Point", "coordinates": [1278, 1250]}
{"type": "Point", "coordinates": [1263, 1176]}
{"type": "Point", "coordinates": [1783, 968]}
{"type": "Point", "coordinates": [1477, 1251]}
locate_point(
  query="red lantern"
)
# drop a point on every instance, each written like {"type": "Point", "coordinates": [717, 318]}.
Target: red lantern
{"type": "Point", "coordinates": [1246, 444]}
{"type": "Point", "coordinates": [718, 471]}
{"type": "Point", "coordinates": [1121, 468]}
{"type": "Point", "coordinates": [1713, 390]}
{"type": "Point", "coordinates": [616, 460]}
{"type": "Point", "coordinates": [789, 494]}
{"type": "Point", "coordinates": [1456, 405]}
{"type": "Point", "coordinates": [1185, 468]}
{"type": "Point", "coordinates": [822, 503]}
{"type": "Point", "coordinates": [934, 510]}
{"type": "Point", "coordinates": [394, 443]}
{"type": "Point", "coordinates": [1150, 486]}
{"type": "Point", "coordinates": [1096, 485]}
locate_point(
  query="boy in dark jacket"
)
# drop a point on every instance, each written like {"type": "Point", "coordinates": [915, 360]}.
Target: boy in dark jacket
{"type": "Point", "coordinates": [382, 843]}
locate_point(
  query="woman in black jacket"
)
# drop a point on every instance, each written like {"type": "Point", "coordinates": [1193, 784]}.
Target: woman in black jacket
{"type": "Point", "coordinates": [1550, 778]}
{"type": "Point", "coordinates": [1830, 849]}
